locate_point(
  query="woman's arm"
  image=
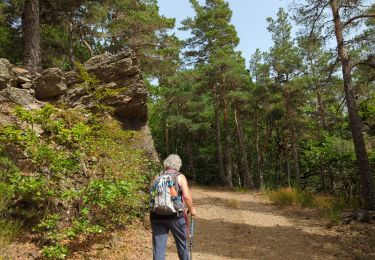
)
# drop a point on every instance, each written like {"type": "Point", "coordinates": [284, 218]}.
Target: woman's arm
{"type": "Point", "coordinates": [186, 194]}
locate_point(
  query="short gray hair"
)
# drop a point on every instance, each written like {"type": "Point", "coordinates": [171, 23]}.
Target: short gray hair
{"type": "Point", "coordinates": [173, 161]}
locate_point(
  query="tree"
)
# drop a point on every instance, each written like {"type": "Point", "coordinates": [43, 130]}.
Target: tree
{"type": "Point", "coordinates": [212, 46]}
{"type": "Point", "coordinates": [69, 31]}
{"type": "Point", "coordinates": [239, 80]}
{"type": "Point", "coordinates": [345, 15]}
{"type": "Point", "coordinates": [286, 65]}
{"type": "Point", "coordinates": [31, 29]}
{"type": "Point", "coordinates": [319, 67]}
{"type": "Point", "coordinates": [263, 104]}
{"type": "Point", "coordinates": [138, 25]}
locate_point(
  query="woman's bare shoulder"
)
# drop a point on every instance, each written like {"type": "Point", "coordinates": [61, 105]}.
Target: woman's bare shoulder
{"type": "Point", "coordinates": [181, 179]}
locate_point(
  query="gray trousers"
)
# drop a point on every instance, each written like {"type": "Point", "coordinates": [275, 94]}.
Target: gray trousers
{"type": "Point", "coordinates": [160, 230]}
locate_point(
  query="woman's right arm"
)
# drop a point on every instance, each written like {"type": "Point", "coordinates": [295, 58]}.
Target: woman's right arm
{"type": "Point", "coordinates": [186, 194]}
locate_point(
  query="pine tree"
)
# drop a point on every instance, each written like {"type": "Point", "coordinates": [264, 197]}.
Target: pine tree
{"type": "Point", "coordinates": [344, 16]}
{"type": "Point", "coordinates": [285, 64]}
{"type": "Point", "coordinates": [212, 46]}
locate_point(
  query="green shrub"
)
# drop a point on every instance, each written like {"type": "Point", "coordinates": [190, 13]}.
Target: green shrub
{"type": "Point", "coordinates": [90, 82]}
{"type": "Point", "coordinates": [55, 251]}
{"type": "Point", "coordinates": [78, 159]}
{"type": "Point", "coordinates": [8, 228]}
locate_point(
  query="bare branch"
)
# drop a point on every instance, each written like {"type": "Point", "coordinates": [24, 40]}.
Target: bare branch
{"type": "Point", "coordinates": [315, 20]}
{"type": "Point", "coordinates": [358, 17]}
{"type": "Point", "coordinates": [87, 45]}
{"type": "Point", "coordinates": [364, 63]}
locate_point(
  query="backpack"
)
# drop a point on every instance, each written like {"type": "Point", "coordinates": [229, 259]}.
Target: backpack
{"type": "Point", "coordinates": [163, 200]}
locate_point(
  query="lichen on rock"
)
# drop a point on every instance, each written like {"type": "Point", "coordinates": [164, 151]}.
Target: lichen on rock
{"type": "Point", "coordinates": [5, 73]}
{"type": "Point", "coordinates": [50, 84]}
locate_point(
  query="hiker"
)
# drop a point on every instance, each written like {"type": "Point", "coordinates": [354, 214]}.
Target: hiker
{"type": "Point", "coordinates": [163, 215]}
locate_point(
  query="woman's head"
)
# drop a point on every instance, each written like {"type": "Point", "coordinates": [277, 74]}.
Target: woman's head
{"type": "Point", "coordinates": [173, 161]}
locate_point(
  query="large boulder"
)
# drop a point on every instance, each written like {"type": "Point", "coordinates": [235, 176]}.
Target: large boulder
{"type": "Point", "coordinates": [50, 84]}
{"type": "Point", "coordinates": [114, 68]}
{"type": "Point", "coordinates": [120, 87]}
{"type": "Point", "coordinates": [20, 97]}
{"type": "Point", "coordinates": [11, 97]}
{"type": "Point", "coordinates": [5, 73]}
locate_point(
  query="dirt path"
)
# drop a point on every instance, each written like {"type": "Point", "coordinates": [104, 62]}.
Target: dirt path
{"type": "Point", "coordinates": [245, 226]}
{"type": "Point", "coordinates": [232, 225]}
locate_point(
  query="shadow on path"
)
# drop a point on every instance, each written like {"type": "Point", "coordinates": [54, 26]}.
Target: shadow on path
{"type": "Point", "coordinates": [242, 241]}
{"type": "Point", "coordinates": [242, 226]}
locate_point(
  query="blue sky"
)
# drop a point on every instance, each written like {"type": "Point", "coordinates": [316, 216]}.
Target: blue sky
{"type": "Point", "coordinates": [249, 18]}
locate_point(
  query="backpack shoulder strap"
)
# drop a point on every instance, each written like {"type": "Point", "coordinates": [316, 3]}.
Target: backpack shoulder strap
{"type": "Point", "coordinates": [176, 185]}
{"type": "Point", "coordinates": [174, 175]}
{"type": "Point", "coordinates": [153, 183]}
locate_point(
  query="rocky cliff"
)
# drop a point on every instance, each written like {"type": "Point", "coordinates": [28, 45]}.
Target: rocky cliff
{"type": "Point", "coordinates": [105, 81]}
{"type": "Point", "coordinates": [75, 152]}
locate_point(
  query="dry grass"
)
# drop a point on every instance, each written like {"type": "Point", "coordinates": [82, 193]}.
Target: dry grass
{"type": "Point", "coordinates": [328, 206]}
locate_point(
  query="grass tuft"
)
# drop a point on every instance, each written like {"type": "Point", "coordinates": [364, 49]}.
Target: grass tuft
{"type": "Point", "coordinates": [328, 206]}
{"type": "Point", "coordinates": [282, 197]}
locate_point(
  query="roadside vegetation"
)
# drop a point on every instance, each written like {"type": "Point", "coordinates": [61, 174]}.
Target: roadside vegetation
{"type": "Point", "coordinates": [80, 176]}
{"type": "Point", "coordinates": [329, 207]}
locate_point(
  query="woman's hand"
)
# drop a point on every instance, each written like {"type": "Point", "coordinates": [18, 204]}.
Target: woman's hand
{"type": "Point", "coordinates": [193, 212]}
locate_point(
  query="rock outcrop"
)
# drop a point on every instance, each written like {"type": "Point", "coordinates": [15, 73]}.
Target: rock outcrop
{"type": "Point", "coordinates": [67, 158]}
{"type": "Point", "coordinates": [120, 86]}
{"type": "Point", "coordinates": [5, 73]}
{"type": "Point", "coordinates": [19, 97]}
{"type": "Point", "coordinates": [115, 82]}
{"type": "Point", "coordinates": [50, 84]}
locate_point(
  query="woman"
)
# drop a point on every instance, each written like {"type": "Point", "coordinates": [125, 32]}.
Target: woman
{"type": "Point", "coordinates": [176, 223]}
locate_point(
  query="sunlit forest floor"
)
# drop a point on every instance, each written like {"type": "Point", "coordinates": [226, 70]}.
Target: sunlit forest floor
{"type": "Point", "coordinates": [234, 225]}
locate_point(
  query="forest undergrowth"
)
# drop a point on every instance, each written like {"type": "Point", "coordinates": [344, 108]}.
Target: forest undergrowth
{"type": "Point", "coordinates": [81, 175]}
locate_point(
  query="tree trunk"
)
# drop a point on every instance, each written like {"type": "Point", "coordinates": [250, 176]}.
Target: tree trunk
{"type": "Point", "coordinates": [257, 146]}
{"type": "Point", "coordinates": [323, 179]}
{"type": "Point", "coordinates": [70, 43]}
{"type": "Point", "coordinates": [287, 167]}
{"type": "Point", "coordinates": [228, 150]}
{"type": "Point", "coordinates": [264, 149]}
{"type": "Point", "coordinates": [236, 174]}
{"type": "Point", "coordinates": [32, 58]}
{"type": "Point", "coordinates": [277, 160]}
{"type": "Point", "coordinates": [321, 119]}
{"type": "Point", "coordinates": [367, 183]}
{"type": "Point", "coordinates": [166, 138]}
{"type": "Point", "coordinates": [321, 109]}
{"type": "Point", "coordinates": [296, 157]}
{"type": "Point", "coordinates": [219, 150]}
{"type": "Point", "coordinates": [229, 162]}
{"type": "Point", "coordinates": [331, 180]}
{"type": "Point", "coordinates": [248, 180]}
{"type": "Point", "coordinates": [191, 161]}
